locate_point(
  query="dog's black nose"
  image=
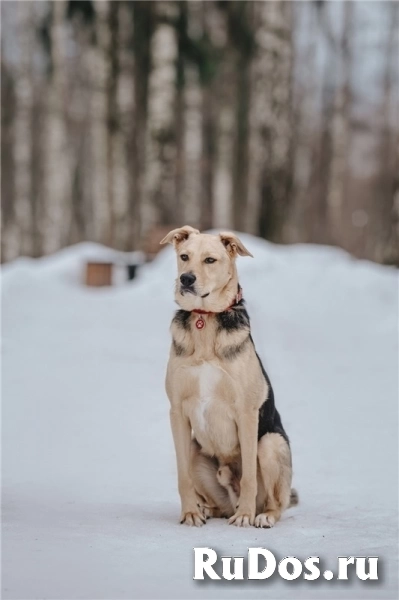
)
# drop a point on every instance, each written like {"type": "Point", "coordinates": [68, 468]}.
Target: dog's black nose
{"type": "Point", "coordinates": [187, 279]}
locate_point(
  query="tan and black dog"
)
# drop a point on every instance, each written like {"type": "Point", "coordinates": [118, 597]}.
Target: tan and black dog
{"type": "Point", "coordinates": [233, 455]}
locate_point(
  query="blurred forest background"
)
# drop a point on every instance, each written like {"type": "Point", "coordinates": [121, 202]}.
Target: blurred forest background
{"type": "Point", "coordinates": [274, 118]}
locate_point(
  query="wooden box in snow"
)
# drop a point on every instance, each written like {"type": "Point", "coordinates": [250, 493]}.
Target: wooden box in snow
{"type": "Point", "coordinates": [98, 273]}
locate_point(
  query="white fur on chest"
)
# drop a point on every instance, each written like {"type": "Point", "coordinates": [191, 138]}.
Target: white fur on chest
{"type": "Point", "coordinates": [208, 377]}
{"type": "Point", "coordinates": [210, 414]}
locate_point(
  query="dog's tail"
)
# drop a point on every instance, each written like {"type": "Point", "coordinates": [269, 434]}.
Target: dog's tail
{"type": "Point", "coordinates": [294, 498]}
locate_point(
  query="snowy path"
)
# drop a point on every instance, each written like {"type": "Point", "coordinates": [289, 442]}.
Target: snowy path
{"type": "Point", "coordinates": [90, 505]}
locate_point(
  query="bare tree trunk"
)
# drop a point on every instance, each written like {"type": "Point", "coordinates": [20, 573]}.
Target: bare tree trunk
{"type": "Point", "coordinates": [9, 231]}
{"type": "Point", "coordinates": [112, 119]}
{"type": "Point", "coordinates": [225, 92]}
{"type": "Point", "coordinates": [20, 233]}
{"type": "Point", "coordinates": [240, 19]}
{"type": "Point", "coordinates": [180, 202]}
{"type": "Point", "coordinates": [192, 147]}
{"type": "Point", "coordinates": [392, 252]}
{"type": "Point", "coordinates": [57, 171]}
{"type": "Point", "coordinates": [259, 117]}
{"type": "Point", "coordinates": [79, 132]}
{"type": "Point", "coordinates": [387, 234]}
{"type": "Point", "coordinates": [214, 30]}
{"type": "Point", "coordinates": [306, 124]}
{"type": "Point", "coordinates": [119, 98]}
{"type": "Point", "coordinates": [161, 151]}
{"type": "Point", "coordinates": [270, 142]}
{"type": "Point", "coordinates": [99, 131]}
{"type": "Point", "coordinates": [208, 158]}
{"type": "Point", "coordinates": [193, 127]}
{"type": "Point", "coordinates": [126, 113]}
{"type": "Point", "coordinates": [317, 222]}
{"type": "Point", "coordinates": [340, 130]}
{"type": "Point", "coordinates": [143, 24]}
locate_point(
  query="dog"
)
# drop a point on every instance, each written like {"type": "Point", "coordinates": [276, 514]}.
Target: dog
{"type": "Point", "coordinates": [233, 455]}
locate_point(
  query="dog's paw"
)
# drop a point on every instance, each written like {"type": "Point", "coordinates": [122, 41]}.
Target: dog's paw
{"type": "Point", "coordinates": [242, 518]}
{"type": "Point", "coordinates": [193, 518]}
{"type": "Point", "coordinates": [266, 520]}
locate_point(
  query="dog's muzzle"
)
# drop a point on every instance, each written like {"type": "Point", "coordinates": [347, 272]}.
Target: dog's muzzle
{"type": "Point", "coordinates": [187, 281]}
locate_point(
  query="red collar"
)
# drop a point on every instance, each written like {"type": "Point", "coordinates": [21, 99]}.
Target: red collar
{"type": "Point", "coordinates": [237, 299]}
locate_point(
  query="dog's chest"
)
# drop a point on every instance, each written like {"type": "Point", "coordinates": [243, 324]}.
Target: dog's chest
{"type": "Point", "coordinates": [210, 411]}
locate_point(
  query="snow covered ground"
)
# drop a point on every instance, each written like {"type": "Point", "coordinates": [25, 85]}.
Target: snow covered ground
{"type": "Point", "coordinates": [90, 506]}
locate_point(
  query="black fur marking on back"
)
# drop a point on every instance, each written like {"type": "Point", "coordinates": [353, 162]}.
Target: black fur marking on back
{"type": "Point", "coordinates": [182, 319]}
{"type": "Point", "coordinates": [269, 417]}
{"type": "Point", "coordinates": [233, 319]}
{"type": "Point", "coordinates": [179, 349]}
{"type": "Point", "coordinates": [234, 350]}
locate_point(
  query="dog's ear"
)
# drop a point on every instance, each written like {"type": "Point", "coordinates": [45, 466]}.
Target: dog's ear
{"type": "Point", "coordinates": [233, 244]}
{"type": "Point", "coordinates": [178, 235]}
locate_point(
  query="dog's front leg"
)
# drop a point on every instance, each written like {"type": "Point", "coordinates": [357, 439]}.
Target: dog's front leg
{"type": "Point", "coordinates": [190, 503]}
{"type": "Point", "coordinates": [248, 437]}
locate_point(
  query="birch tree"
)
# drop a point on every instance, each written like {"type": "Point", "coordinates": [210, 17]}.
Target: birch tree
{"type": "Point", "coordinates": [214, 32]}
{"type": "Point", "coordinates": [20, 232]}
{"type": "Point", "coordinates": [340, 127]}
{"type": "Point", "coordinates": [387, 204]}
{"type": "Point", "coordinates": [241, 39]}
{"type": "Point", "coordinates": [9, 230]}
{"type": "Point", "coordinates": [99, 59]}
{"type": "Point", "coordinates": [119, 107]}
{"type": "Point", "coordinates": [270, 168]}
{"type": "Point", "coordinates": [317, 223]}
{"type": "Point", "coordinates": [57, 169]}
{"type": "Point", "coordinates": [193, 127]}
{"type": "Point", "coordinates": [125, 107]}
{"type": "Point", "coordinates": [160, 146]}
{"type": "Point", "coordinates": [79, 125]}
{"type": "Point", "coordinates": [225, 127]}
{"type": "Point", "coordinates": [306, 123]}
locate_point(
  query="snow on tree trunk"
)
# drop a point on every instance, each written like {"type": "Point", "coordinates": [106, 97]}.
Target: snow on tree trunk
{"type": "Point", "coordinates": [160, 146]}
{"type": "Point", "coordinates": [57, 171]}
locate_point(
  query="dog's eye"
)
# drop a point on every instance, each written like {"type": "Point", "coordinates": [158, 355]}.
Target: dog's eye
{"type": "Point", "coordinates": [210, 260]}
{"type": "Point", "coordinates": [184, 257]}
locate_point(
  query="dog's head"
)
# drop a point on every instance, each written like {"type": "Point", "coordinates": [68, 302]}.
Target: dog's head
{"type": "Point", "coordinates": [206, 267]}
